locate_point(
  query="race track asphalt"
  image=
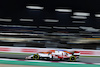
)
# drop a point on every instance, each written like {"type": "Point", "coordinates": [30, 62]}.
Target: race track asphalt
{"type": "Point", "coordinates": [81, 59]}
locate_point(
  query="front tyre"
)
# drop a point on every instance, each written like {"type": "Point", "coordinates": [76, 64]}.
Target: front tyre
{"type": "Point", "coordinates": [72, 58]}
{"type": "Point", "coordinates": [35, 56]}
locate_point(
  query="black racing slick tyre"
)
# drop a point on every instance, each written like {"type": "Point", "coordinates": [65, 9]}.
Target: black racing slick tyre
{"type": "Point", "coordinates": [35, 56]}
{"type": "Point", "coordinates": [72, 58]}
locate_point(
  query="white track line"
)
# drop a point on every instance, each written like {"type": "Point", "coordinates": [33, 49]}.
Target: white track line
{"type": "Point", "coordinates": [8, 59]}
{"type": "Point", "coordinates": [73, 62]}
{"type": "Point", "coordinates": [36, 61]}
{"type": "Point", "coordinates": [47, 61]}
{"type": "Point", "coordinates": [97, 63]}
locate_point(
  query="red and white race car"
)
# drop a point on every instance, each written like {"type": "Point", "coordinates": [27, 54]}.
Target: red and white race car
{"type": "Point", "coordinates": [55, 54]}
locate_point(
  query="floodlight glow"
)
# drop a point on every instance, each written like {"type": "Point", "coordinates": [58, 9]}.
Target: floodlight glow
{"type": "Point", "coordinates": [78, 17]}
{"type": "Point", "coordinates": [6, 20]}
{"type": "Point", "coordinates": [44, 27]}
{"type": "Point", "coordinates": [97, 15]}
{"type": "Point", "coordinates": [19, 26]}
{"type": "Point", "coordinates": [60, 27]}
{"type": "Point", "coordinates": [26, 20]}
{"type": "Point", "coordinates": [72, 27]}
{"type": "Point", "coordinates": [81, 14]}
{"type": "Point", "coordinates": [78, 21]}
{"type": "Point", "coordinates": [34, 7]}
{"type": "Point", "coordinates": [63, 10]}
{"type": "Point", "coordinates": [51, 20]}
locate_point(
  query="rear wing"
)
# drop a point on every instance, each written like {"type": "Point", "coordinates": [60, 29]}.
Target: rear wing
{"type": "Point", "coordinates": [76, 53]}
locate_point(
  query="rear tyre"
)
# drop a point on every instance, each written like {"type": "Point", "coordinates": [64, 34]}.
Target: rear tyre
{"type": "Point", "coordinates": [35, 56]}
{"type": "Point", "coordinates": [72, 58]}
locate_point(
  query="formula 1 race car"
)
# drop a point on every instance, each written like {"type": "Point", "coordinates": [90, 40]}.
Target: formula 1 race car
{"type": "Point", "coordinates": [55, 55]}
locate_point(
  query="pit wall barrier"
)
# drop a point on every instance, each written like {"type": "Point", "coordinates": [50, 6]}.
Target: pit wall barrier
{"type": "Point", "coordinates": [36, 50]}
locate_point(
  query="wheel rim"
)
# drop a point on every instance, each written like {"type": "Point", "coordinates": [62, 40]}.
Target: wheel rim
{"type": "Point", "coordinates": [73, 58]}
{"type": "Point", "coordinates": [36, 56]}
